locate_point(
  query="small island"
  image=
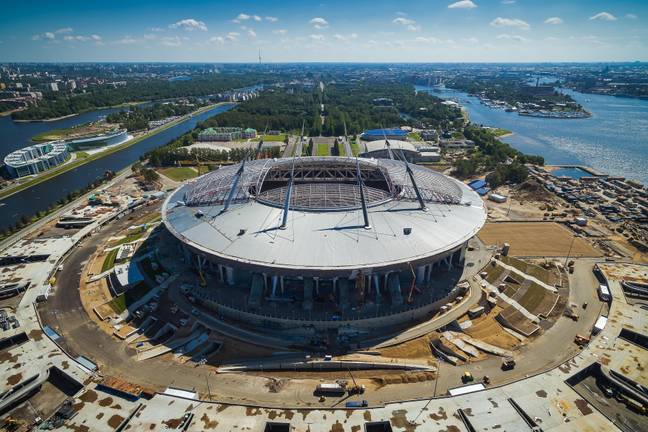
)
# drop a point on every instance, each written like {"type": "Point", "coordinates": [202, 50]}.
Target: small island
{"type": "Point", "coordinates": [521, 97]}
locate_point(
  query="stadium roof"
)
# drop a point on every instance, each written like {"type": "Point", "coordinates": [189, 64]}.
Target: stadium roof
{"type": "Point", "coordinates": [388, 132]}
{"type": "Point", "coordinates": [378, 145]}
{"type": "Point", "coordinates": [325, 230]}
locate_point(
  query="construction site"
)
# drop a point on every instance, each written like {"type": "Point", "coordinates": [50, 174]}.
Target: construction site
{"type": "Point", "coordinates": [501, 323]}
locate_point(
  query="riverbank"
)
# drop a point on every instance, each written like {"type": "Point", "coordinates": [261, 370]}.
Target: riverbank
{"type": "Point", "coordinates": [53, 119]}
{"type": "Point", "coordinates": [47, 175]}
{"type": "Point", "coordinates": [612, 140]}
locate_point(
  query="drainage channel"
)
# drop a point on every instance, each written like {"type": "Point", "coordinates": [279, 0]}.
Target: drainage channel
{"type": "Point", "coordinates": [532, 424]}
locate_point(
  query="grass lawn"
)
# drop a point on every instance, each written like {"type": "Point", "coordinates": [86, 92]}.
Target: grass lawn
{"type": "Point", "coordinates": [109, 261]}
{"type": "Point", "coordinates": [500, 132]}
{"type": "Point", "coordinates": [129, 238]}
{"type": "Point", "coordinates": [355, 148]}
{"type": "Point", "coordinates": [120, 303]}
{"type": "Point", "coordinates": [81, 154]}
{"type": "Point", "coordinates": [457, 135]}
{"type": "Point", "coordinates": [533, 297]}
{"type": "Point", "coordinates": [415, 136]}
{"type": "Point", "coordinates": [280, 137]}
{"type": "Point", "coordinates": [323, 149]}
{"type": "Point", "coordinates": [179, 174]}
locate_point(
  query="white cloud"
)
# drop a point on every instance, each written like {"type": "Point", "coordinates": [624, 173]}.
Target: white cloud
{"type": "Point", "coordinates": [280, 31]}
{"type": "Point", "coordinates": [427, 40]}
{"type": "Point", "coordinates": [243, 17]}
{"type": "Point", "coordinates": [64, 30]}
{"type": "Point", "coordinates": [150, 36]}
{"type": "Point", "coordinates": [319, 23]}
{"type": "Point", "coordinates": [508, 2]}
{"type": "Point", "coordinates": [256, 18]}
{"type": "Point", "coordinates": [401, 14]}
{"type": "Point", "coordinates": [80, 38]}
{"type": "Point", "coordinates": [127, 40]}
{"type": "Point", "coordinates": [403, 21]}
{"type": "Point", "coordinates": [510, 22]}
{"type": "Point", "coordinates": [232, 36]}
{"type": "Point", "coordinates": [346, 38]}
{"type": "Point", "coordinates": [157, 29]}
{"type": "Point", "coordinates": [171, 41]}
{"type": "Point", "coordinates": [409, 24]}
{"type": "Point", "coordinates": [471, 40]}
{"type": "Point", "coordinates": [190, 24]}
{"type": "Point", "coordinates": [217, 40]}
{"type": "Point", "coordinates": [317, 37]}
{"type": "Point", "coordinates": [631, 16]}
{"type": "Point", "coordinates": [463, 4]}
{"type": "Point", "coordinates": [516, 38]}
{"type": "Point", "coordinates": [271, 19]}
{"type": "Point", "coordinates": [604, 16]}
{"type": "Point", "coordinates": [553, 20]}
{"type": "Point", "coordinates": [251, 33]}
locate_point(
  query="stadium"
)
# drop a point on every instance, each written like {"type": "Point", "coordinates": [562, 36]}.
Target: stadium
{"type": "Point", "coordinates": [324, 242]}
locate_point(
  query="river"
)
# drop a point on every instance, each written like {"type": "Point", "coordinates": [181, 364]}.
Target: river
{"type": "Point", "coordinates": [41, 196]}
{"type": "Point", "coordinates": [614, 140]}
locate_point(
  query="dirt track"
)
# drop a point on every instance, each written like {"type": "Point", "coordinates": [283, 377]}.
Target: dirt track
{"type": "Point", "coordinates": [544, 239]}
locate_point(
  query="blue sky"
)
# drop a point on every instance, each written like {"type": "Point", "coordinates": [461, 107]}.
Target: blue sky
{"type": "Point", "coordinates": [364, 31]}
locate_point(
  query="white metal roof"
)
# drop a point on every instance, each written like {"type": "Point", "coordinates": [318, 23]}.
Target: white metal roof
{"type": "Point", "coordinates": [378, 145]}
{"type": "Point", "coordinates": [248, 232]}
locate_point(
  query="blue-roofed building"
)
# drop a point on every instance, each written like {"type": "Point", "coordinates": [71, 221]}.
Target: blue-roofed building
{"type": "Point", "coordinates": [477, 184]}
{"type": "Point", "coordinates": [381, 134]}
{"type": "Point", "coordinates": [482, 190]}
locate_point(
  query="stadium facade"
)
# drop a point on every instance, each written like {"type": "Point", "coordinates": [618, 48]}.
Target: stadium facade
{"type": "Point", "coordinates": [324, 241]}
{"type": "Point", "coordinates": [36, 158]}
{"type": "Point", "coordinates": [95, 141]}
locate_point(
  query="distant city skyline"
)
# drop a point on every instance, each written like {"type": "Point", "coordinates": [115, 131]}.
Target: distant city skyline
{"type": "Point", "coordinates": [358, 31]}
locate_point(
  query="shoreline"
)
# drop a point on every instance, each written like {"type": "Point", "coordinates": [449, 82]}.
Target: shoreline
{"type": "Point", "coordinates": [61, 169]}
{"type": "Point", "coordinates": [52, 119]}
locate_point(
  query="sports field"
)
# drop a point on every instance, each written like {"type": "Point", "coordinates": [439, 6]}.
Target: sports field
{"type": "Point", "coordinates": [541, 239]}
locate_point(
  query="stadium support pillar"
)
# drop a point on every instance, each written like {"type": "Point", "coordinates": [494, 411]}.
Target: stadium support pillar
{"type": "Point", "coordinates": [229, 273]}
{"type": "Point", "coordinates": [428, 272]}
{"type": "Point", "coordinates": [275, 280]}
{"type": "Point", "coordinates": [281, 281]}
{"type": "Point", "coordinates": [462, 254]}
{"type": "Point", "coordinates": [187, 254]}
{"type": "Point", "coordinates": [421, 272]}
{"type": "Point", "coordinates": [316, 285]}
{"type": "Point", "coordinates": [448, 261]}
{"type": "Point", "coordinates": [221, 273]}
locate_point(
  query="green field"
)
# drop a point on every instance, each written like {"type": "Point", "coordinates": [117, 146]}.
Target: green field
{"type": "Point", "coordinates": [129, 238]}
{"type": "Point", "coordinates": [280, 137]}
{"type": "Point", "coordinates": [109, 261]}
{"type": "Point", "coordinates": [500, 132]}
{"type": "Point", "coordinates": [179, 174]}
{"type": "Point", "coordinates": [323, 149]}
{"type": "Point", "coordinates": [355, 148]}
{"type": "Point", "coordinates": [120, 303]}
{"type": "Point", "coordinates": [415, 136]}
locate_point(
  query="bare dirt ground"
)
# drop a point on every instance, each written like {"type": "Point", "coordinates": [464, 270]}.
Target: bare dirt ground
{"type": "Point", "coordinates": [544, 239]}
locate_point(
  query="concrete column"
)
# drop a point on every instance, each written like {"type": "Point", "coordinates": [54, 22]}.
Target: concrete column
{"type": "Point", "coordinates": [187, 254]}
{"type": "Point", "coordinates": [275, 280]}
{"type": "Point", "coordinates": [281, 281]}
{"type": "Point", "coordinates": [376, 279]}
{"type": "Point", "coordinates": [229, 275]}
{"type": "Point", "coordinates": [198, 258]}
{"type": "Point", "coordinates": [448, 261]}
{"type": "Point", "coordinates": [316, 285]}
{"type": "Point", "coordinates": [335, 290]}
{"type": "Point", "coordinates": [462, 254]}
{"type": "Point", "coordinates": [221, 273]}
{"type": "Point", "coordinates": [420, 274]}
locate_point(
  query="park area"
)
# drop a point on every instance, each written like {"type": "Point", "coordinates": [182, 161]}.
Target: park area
{"type": "Point", "coordinates": [537, 239]}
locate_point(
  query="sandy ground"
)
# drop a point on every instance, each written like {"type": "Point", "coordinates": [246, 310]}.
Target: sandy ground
{"type": "Point", "coordinates": [536, 239]}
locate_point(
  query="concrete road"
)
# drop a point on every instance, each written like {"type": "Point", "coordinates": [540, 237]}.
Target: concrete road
{"type": "Point", "coordinates": [550, 350]}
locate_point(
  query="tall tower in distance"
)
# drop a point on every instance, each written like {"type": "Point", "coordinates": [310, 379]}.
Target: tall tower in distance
{"type": "Point", "coordinates": [259, 55]}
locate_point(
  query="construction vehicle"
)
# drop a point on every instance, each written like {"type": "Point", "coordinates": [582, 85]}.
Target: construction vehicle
{"type": "Point", "coordinates": [355, 388]}
{"type": "Point", "coordinates": [356, 404]}
{"type": "Point", "coordinates": [508, 363]}
{"type": "Point", "coordinates": [467, 377]}
{"type": "Point", "coordinates": [581, 340]}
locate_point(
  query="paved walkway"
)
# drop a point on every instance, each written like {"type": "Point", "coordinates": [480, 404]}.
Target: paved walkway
{"type": "Point", "coordinates": [526, 276]}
